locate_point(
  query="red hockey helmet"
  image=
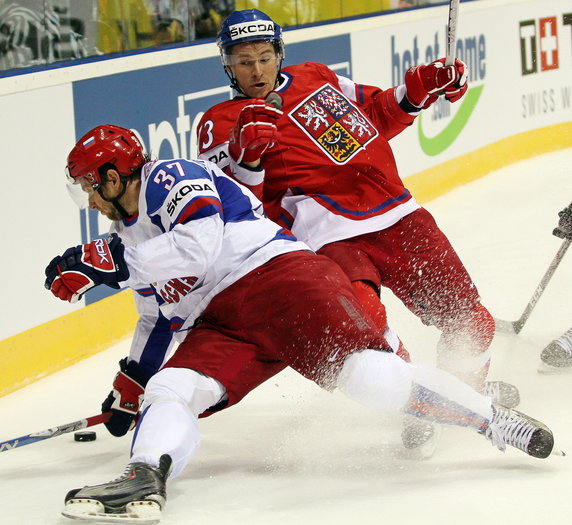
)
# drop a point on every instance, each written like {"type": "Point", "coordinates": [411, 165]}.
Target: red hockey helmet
{"type": "Point", "coordinates": [108, 143]}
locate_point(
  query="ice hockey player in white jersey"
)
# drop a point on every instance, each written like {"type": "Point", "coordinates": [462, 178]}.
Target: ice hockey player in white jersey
{"type": "Point", "coordinates": [245, 299]}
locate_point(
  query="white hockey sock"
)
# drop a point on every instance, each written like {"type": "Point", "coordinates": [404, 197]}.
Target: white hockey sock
{"type": "Point", "coordinates": [166, 428]}
{"type": "Point", "coordinates": [174, 397]}
{"type": "Point", "coordinates": [383, 381]}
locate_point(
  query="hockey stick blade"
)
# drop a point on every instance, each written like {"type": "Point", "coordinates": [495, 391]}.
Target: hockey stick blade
{"type": "Point", "coordinates": [505, 327]}
{"type": "Point", "coordinates": [452, 32]}
{"type": "Point", "coordinates": [514, 327]}
{"type": "Point", "coordinates": [53, 432]}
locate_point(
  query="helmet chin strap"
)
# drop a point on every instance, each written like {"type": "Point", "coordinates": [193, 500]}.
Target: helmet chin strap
{"type": "Point", "coordinates": [115, 200]}
{"type": "Point", "coordinates": [233, 83]}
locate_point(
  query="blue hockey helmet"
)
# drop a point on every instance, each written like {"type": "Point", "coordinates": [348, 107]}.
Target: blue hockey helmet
{"type": "Point", "coordinates": [248, 25]}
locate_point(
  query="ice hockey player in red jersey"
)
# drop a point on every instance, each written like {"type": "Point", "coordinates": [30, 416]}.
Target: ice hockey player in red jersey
{"type": "Point", "coordinates": [229, 281]}
{"type": "Point", "coordinates": [314, 147]}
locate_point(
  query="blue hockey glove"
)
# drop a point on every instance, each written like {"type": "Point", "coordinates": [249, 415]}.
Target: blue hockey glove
{"type": "Point", "coordinates": [70, 275]}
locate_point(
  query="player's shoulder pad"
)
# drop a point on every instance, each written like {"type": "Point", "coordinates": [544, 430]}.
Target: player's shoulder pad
{"type": "Point", "coordinates": [307, 68]}
{"type": "Point", "coordinates": [168, 176]}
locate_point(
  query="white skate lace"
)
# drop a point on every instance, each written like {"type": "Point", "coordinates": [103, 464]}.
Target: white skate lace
{"type": "Point", "coordinates": [507, 428]}
{"type": "Point", "coordinates": [565, 341]}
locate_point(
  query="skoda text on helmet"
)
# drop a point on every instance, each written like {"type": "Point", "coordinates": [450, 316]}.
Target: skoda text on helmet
{"type": "Point", "coordinates": [249, 25]}
{"type": "Point", "coordinates": [103, 145]}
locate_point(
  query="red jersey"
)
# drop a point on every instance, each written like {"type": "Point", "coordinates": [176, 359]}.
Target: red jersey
{"type": "Point", "coordinates": [333, 175]}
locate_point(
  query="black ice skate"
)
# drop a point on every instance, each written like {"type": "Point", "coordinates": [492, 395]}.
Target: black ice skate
{"type": "Point", "coordinates": [557, 356]}
{"type": "Point", "coordinates": [136, 497]}
{"type": "Point", "coordinates": [510, 427]}
{"type": "Point", "coordinates": [502, 393]}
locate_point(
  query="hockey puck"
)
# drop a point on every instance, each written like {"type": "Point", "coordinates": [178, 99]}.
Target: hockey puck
{"type": "Point", "coordinates": [87, 435]}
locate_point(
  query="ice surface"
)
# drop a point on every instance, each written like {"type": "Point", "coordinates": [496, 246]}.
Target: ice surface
{"type": "Point", "coordinates": [293, 454]}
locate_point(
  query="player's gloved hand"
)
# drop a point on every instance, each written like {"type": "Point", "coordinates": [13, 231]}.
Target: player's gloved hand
{"type": "Point", "coordinates": [564, 228]}
{"type": "Point", "coordinates": [424, 84]}
{"type": "Point", "coordinates": [254, 132]}
{"type": "Point", "coordinates": [125, 399]}
{"type": "Point", "coordinates": [70, 275]}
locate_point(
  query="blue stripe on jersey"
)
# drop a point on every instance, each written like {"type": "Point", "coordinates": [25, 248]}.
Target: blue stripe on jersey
{"type": "Point", "coordinates": [198, 208]}
{"type": "Point", "coordinates": [389, 202]}
{"type": "Point", "coordinates": [285, 81]}
{"type": "Point", "coordinates": [237, 206]}
{"type": "Point", "coordinates": [156, 345]}
{"type": "Point", "coordinates": [176, 323]}
{"type": "Point", "coordinates": [360, 96]}
{"type": "Point", "coordinates": [156, 220]}
{"type": "Point", "coordinates": [285, 219]}
{"type": "Point", "coordinates": [284, 235]}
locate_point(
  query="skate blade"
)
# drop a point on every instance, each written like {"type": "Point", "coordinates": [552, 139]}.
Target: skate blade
{"type": "Point", "coordinates": [138, 512]}
{"type": "Point", "coordinates": [557, 451]}
{"type": "Point", "coordinates": [544, 368]}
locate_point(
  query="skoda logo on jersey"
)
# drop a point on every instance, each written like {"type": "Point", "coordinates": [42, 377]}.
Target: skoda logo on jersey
{"type": "Point", "coordinates": [251, 28]}
{"type": "Point", "coordinates": [182, 192]}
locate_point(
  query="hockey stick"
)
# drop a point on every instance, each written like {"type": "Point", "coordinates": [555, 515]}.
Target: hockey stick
{"type": "Point", "coordinates": [514, 327]}
{"type": "Point", "coordinates": [53, 432]}
{"type": "Point", "coordinates": [452, 32]}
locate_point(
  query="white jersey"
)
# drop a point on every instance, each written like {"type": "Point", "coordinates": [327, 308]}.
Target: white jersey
{"type": "Point", "coordinates": [197, 232]}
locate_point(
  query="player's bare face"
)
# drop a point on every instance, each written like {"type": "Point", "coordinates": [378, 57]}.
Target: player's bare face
{"type": "Point", "coordinates": [96, 202]}
{"type": "Point", "coordinates": [255, 66]}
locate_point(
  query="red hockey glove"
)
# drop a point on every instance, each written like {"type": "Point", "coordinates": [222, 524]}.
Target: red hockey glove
{"type": "Point", "coordinates": [564, 229]}
{"type": "Point", "coordinates": [125, 399]}
{"type": "Point", "coordinates": [70, 275]}
{"type": "Point", "coordinates": [424, 84]}
{"type": "Point", "coordinates": [254, 132]}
